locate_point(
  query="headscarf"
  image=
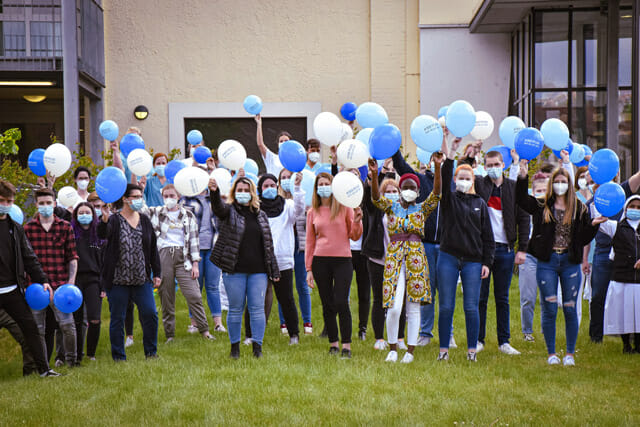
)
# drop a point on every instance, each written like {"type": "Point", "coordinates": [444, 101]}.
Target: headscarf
{"type": "Point", "coordinates": [410, 176]}
{"type": "Point", "coordinates": [272, 207]}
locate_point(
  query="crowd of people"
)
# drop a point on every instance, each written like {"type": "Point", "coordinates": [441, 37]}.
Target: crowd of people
{"type": "Point", "coordinates": [461, 218]}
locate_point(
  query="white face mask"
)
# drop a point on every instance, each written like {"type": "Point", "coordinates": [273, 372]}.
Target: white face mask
{"type": "Point", "coordinates": [560, 188]}
{"type": "Point", "coordinates": [463, 185]}
{"type": "Point", "coordinates": [170, 202]}
{"type": "Point", "coordinates": [582, 183]}
{"type": "Point", "coordinates": [314, 157]}
{"type": "Point", "coordinates": [409, 195]}
{"type": "Point", "coordinates": [83, 184]}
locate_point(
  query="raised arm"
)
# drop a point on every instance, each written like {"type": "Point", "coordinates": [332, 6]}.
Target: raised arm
{"type": "Point", "coordinates": [220, 209]}
{"type": "Point", "coordinates": [373, 170]}
{"type": "Point", "coordinates": [298, 196]}
{"type": "Point", "coordinates": [115, 151]}
{"type": "Point", "coordinates": [400, 164]}
{"type": "Point", "coordinates": [260, 137]}
{"type": "Point", "coordinates": [523, 199]}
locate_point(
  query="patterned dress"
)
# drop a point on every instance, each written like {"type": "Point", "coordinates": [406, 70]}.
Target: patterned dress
{"type": "Point", "coordinates": [403, 221]}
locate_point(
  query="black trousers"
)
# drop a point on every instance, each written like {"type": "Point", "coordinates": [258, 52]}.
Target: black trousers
{"type": "Point", "coordinates": [378, 313]}
{"type": "Point", "coordinates": [28, 364]}
{"type": "Point", "coordinates": [333, 277]}
{"type": "Point", "coordinates": [359, 263]}
{"type": "Point", "coordinates": [284, 293]}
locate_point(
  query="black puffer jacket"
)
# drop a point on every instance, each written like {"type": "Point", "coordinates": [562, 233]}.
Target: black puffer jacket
{"type": "Point", "coordinates": [231, 229]}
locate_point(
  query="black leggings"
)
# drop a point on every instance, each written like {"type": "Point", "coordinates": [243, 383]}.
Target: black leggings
{"type": "Point", "coordinates": [284, 292]}
{"type": "Point", "coordinates": [378, 313]}
{"type": "Point", "coordinates": [91, 309]}
{"type": "Point", "coordinates": [359, 263]}
{"type": "Point", "coordinates": [333, 276]}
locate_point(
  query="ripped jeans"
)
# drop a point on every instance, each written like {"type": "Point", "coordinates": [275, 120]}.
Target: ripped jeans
{"type": "Point", "coordinates": [547, 275]}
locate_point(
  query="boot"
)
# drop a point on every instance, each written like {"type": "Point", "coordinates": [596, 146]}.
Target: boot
{"type": "Point", "coordinates": [257, 350]}
{"type": "Point", "coordinates": [626, 343]}
{"type": "Point", "coordinates": [636, 342]}
{"type": "Point", "coordinates": [235, 351]}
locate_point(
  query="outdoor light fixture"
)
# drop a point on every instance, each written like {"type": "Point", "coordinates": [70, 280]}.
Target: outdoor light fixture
{"type": "Point", "coordinates": [141, 112]}
{"type": "Point", "coordinates": [25, 83]}
{"type": "Point", "coordinates": [34, 98]}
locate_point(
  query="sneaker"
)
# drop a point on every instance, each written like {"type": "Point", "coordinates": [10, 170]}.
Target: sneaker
{"type": "Point", "coordinates": [92, 358]}
{"type": "Point", "coordinates": [219, 328]}
{"type": "Point", "coordinates": [408, 358]}
{"type": "Point", "coordinates": [423, 341]}
{"type": "Point", "coordinates": [308, 328]}
{"type": "Point", "coordinates": [507, 349]}
{"type": "Point", "coordinates": [208, 336]}
{"type": "Point", "coordinates": [151, 356]}
{"type": "Point", "coordinates": [479, 347]}
{"type": "Point", "coordinates": [568, 360]}
{"type": "Point", "coordinates": [553, 360]}
{"type": "Point", "coordinates": [380, 345]}
{"type": "Point", "coordinates": [283, 329]}
{"type": "Point", "coordinates": [443, 355]}
{"type": "Point", "coordinates": [169, 340]}
{"type": "Point", "coordinates": [362, 335]}
{"type": "Point", "coordinates": [128, 342]}
{"type": "Point", "coordinates": [392, 356]}
{"type": "Point", "coordinates": [59, 363]}
{"type": "Point", "coordinates": [346, 354]}
{"type": "Point", "coordinates": [452, 343]}
{"type": "Point", "coordinates": [50, 373]}
{"type": "Point", "coordinates": [529, 338]}
{"type": "Point", "coordinates": [402, 345]}
{"type": "Point", "coordinates": [333, 351]}
{"type": "Point", "coordinates": [472, 356]}
{"type": "Point", "coordinates": [294, 340]}
{"type": "Point", "coordinates": [247, 341]}
{"type": "Point", "coordinates": [192, 329]}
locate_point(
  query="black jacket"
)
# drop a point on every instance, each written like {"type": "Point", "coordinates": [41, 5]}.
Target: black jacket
{"type": "Point", "coordinates": [512, 215]}
{"type": "Point", "coordinates": [372, 228]}
{"type": "Point", "coordinates": [111, 232]}
{"type": "Point", "coordinates": [231, 223]}
{"type": "Point", "coordinates": [466, 227]}
{"type": "Point", "coordinates": [541, 243]}
{"type": "Point", "coordinates": [26, 259]}
{"type": "Point", "coordinates": [626, 247]}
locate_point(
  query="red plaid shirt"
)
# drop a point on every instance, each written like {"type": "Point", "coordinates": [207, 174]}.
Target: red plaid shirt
{"type": "Point", "coordinates": [54, 248]}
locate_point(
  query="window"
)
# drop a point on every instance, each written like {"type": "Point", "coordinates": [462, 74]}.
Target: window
{"type": "Point", "coordinates": [12, 42]}
{"type": "Point", "coordinates": [46, 39]}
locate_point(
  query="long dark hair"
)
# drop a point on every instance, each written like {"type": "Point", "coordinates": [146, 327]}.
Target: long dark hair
{"type": "Point", "coordinates": [92, 231]}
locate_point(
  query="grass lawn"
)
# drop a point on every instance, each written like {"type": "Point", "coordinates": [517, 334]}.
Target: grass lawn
{"type": "Point", "coordinates": [194, 381]}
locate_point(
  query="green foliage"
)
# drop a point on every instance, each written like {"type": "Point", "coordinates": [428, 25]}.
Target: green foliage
{"type": "Point", "coordinates": [8, 143]}
{"type": "Point", "coordinates": [536, 164]}
{"type": "Point", "coordinates": [24, 181]}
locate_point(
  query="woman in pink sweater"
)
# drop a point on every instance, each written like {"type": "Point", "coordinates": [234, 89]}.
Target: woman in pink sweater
{"type": "Point", "coordinates": [330, 225]}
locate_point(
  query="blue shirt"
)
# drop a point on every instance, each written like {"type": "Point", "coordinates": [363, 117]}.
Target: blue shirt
{"type": "Point", "coordinates": [152, 191]}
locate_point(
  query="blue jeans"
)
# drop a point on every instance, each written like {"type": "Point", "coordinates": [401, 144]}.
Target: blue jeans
{"type": "Point", "coordinates": [547, 276]}
{"type": "Point", "coordinates": [249, 288]}
{"type": "Point", "coordinates": [600, 277]}
{"type": "Point", "coordinates": [304, 291]}
{"type": "Point", "coordinates": [142, 296]}
{"type": "Point", "coordinates": [210, 279]}
{"type": "Point", "coordinates": [501, 270]}
{"type": "Point", "coordinates": [449, 267]}
{"type": "Point", "coordinates": [528, 292]}
{"type": "Point", "coordinates": [427, 312]}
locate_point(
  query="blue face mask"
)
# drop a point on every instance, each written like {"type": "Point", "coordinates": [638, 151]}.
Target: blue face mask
{"type": "Point", "coordinates": [243, 198]}
{"type": "Point", "coordinates": [394, 197]}
{"type": "Point", "coordinates": [160, 170]}
{"type": "Point", "coordinates": [136, 204]}
{"type": "Point", "coordinates": [270, 193]}
{"type": "Point", "coordinates": [98, 212]}
{"type": "Point", "coordinates": [85, 219]}
{"type": "Point", "coordinates": [45, 211]}
{"type": "Point", "coordinates": [494, 173]}
{"type": "Point", "coordinates": [324, 191]}
{"type": "Point", "coordinates": [633, 214]}
{"type": "Point", "coordinates": [4, 210]}
{"type": "Point", "coordinates": [285, 184]}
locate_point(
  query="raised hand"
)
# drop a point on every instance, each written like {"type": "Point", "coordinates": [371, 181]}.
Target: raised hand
{"type": "Point", "coordinates": [213, 185]}
{"type": "Point", "coordinates": [298, 178]}
{"type": "Point", "coordinates": [357, 214]}
{"type": "Point", "coordinates": [373, 168]}
{"type": "Point", "coordinates": [524, 168]}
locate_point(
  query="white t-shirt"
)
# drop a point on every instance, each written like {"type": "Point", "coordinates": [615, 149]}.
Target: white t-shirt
{"type": "Point", "coordinates": [356, 245]}
{"type": "Point", "coordinates": [175, 235]}
{"type": "Point", "coordinates": [272, 163]}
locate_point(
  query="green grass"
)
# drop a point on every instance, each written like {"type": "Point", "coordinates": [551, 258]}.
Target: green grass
{"type": "Point", "coordinates": [194, 382]}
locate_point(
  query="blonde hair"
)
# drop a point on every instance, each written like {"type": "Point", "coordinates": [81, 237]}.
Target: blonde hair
{"type": "Point", "coordinates": [386, 183]}
{"type": "Point", "coordinates": [316, 200]}
{"type": "Point", "coordinates": [134, 129]}
{"type": "Point", "coordinates": [281, 191]}
{"type": "Point", "coordinates": [254, 203]}
{"type": "Point", "coordinates": [571, 201]}
{"type": "Point", "coordinates": [468, 168]}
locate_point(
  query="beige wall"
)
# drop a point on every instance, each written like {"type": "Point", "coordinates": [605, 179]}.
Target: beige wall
{"type": "Point", "coordinates": [448, 12]}
{"type": "Point", "coordinates": [287, 51]}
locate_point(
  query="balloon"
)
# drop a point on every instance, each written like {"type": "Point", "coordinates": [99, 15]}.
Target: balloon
{"type": "Point", "coordinates": [109, 130]}
{"type": "Point", "coordinates": [442, 112]}
{"type": "Point", "coordinates": [460, 118]}
{"type": "Point", "coordinates": [16, 214]}
{"type": "Point", "coordinates": [506, 154]}
{"type": "Point", "coordinates": [110, 184]}
{"type": "Point", "coordinates": [191, 181]}
{"type": "Point", "coordinates": [529, 143]}
{"type": "Point", "coordinates": [194, 137]}
{"type": "Point", "coordinates": [364, 172]}
{"type": "Point", "coordinates": [292, 155]}
{"type": "Point", "coordinates": [36, 296]}
{"type": "Point", "coordinates": [308, 181]}
{"type": "Point", "coordinates": [67, 298]}
{"type": "Point", "coordinates": [347, 189]}
{"type": "Point", "coordinates": [427, 133]}
{"type": "Point", "coordinates": [348, 111]}
{"type": "Point", "coordinates": [328, 128]}
{"type": "Point", "coordinates": [584, 162]}
{"type": "Point", "coordinates": [484, 125]}
{"type": "Point", "coordinates": [555, 133]}
{"type": "Point", "coordinates": [442, 121]}
{"type": "Point", "coordinates": [587, 150]}
{"type": "Point", "coordinates": [172, 168]}
{"type": "Point", "coordinates": [140, 162]}
{"type": "Point", "coordinates": [385, 141]}
{"type": "Point", "coordinates": [232, 154]}
{"type": "Point", "coordinates": [508, 129]}
{"type": "Point", "coordinates": [353, 153]}
{"type": "Point", "coordinates": [57, 159]}
{"type": "Point", "coordinates": [251, 166]}
{"type": "Point", "coordinates": [223, 179]}
{"type": "Point", "coordinates": [326, 167]}
{"type": "Point", "coordinates": [130, 142]}
{"type": "Point", "coordinates": [365, 135]}
{"type": "Point", "coordinates": [68, 196]}
{"type": "Point", "coordinates": [609, 199]}
{"type": "Point", "coordinates": [577, 155]}
{"type": "Point", "coordinates": [347, 132]}
{"type": "Point", "coordinates": [568, 147]}
{"type": "Point", "coordinates": [423, 156]}
{"type": "Point", "coordinates": [604, 165]}
{"type": "Point", "coordinates": [36, 162]}
{"type": "Point", "coordinates": [252, 176]}
{"type": "Point", "coordinates": [371, 115]}
{"type": "Point", "coordinates": [252, 104]}
{"type": "Point", "coordinates": [201, 154]}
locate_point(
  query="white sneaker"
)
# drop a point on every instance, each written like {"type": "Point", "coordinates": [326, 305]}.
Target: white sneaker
{"type": "Point", "coordinates": [220, 328]}
{"type": "Point", "coordinates": [402, 345]}
{"type": "Point", "coordinates": [284, 330]}
{"type": "Point", "coordinates": [568, 360]}
{"type": "Point", "coordinates": [452, 343]}
{"type": "Point", "coordinates": [479, 347]}
{"type": "Point", "coordinates": [507, 349]}
{"type": "Point", "coordinates": [192, 329]}
{"type": "Point", "coordinates": [408, 358]}
{"type": "Point", "coordinates": [392, 356]}
{"type": "Point", "coordinates": [247, 341]}
{"type": "Point", "coordinates": [553, 360]}
{"type": "Point", "coordinates": [380, 345]}
{"type": "Point", "coordinates": [128, 342]}
{"type": "Point", "coordinates": [423, 341]}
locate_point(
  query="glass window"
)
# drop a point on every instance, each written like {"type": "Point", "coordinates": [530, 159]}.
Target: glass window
{"type": "Point", "coordinates": [589, 49]}
{"type": "Point", "coordinates": [625, 125]}
{"type": "Point", "coordinates": [12, 44]}
{"type": "Point", "coordinates": [624, 47]}
{"type": "Point", "coordinates": [551, 49]}
{"type": "Point", "coordinates": [46, 39]}
{"type": "Point", "coordinates": [589, 118]}
{"type": "Point", "coordinates": [550, 105]}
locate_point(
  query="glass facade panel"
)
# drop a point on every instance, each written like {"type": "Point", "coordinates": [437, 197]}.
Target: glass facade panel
{"type": "Point", "coordinates": [46, 39]}
{"type": "Point", "coordinates": [551, 49]}
{"type": "Point", "coordinates": [625, 140]}
{"type": "Point", "coordinates": [550, 105]}
{"type": "Point", "coordinates": [589, 118]}
{"type": "Point", "coordinates": [589, 49]}
{"type": "Point", "coordinates": [625, 34]}
{"type": "Point", "coordinates": [13, 42]}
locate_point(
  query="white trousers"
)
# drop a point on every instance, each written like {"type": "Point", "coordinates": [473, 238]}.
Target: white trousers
{"type": "Point", "coordinates": [393, 314]}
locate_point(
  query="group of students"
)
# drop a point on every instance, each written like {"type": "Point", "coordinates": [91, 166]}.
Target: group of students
{"type": "Point", "coordinates": [416, 235]}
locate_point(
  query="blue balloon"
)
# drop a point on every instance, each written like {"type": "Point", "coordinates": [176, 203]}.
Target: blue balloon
{"type": "Point", "coordinates": [423, 156]}
{"type": "Point", "coordinates": [442, 112]}
{"type": "Point", "coordinates": [569, 149]}
{"type": "Point", "coordinates": [584, 162]}
{"type": "Point", "coordinates": [555, 133]}
{"type": "Point", "coordinates": [201, 154]}
{"type": "Point", "coordinates": [506, 154]}
{"type": "Point", "coordinates": [577, 154]}
{"type": "Point", "coordinates": [172, 168]}
{"type": "Point", "coordinates": [609, 199]}
{"type": "Point", "coordinates": [364, 172]}
{"type": "Point", "coordinates": [111, 184]}
{"type": "Point", "coordinates": [109, 130]}
{"type": "Point", "coordinates": [292, 155]}
{"type": "Point", "coordinates": [67, 298]}
{"type": "Point", "coordinates": [194, 137]}
{"type": "Point", "coordinates": [16, 214]}
{"type": "Point", "coordinates": [348, 111]}
{"type": "Point", "coordinates": [37, 297]}
{"type": "Point", "coordinates": [460, 118]}
{"type": "Point", "coordinates": [326, 168]}
{"type": "Point", "coordinates": [130, 142]}
{"type": "Point", "coordinates": [385, 141]}
{"type": "Point", "coordinates": [365, 135]}
{"type": "Point", "coordinates": [427, 133]}
{"type": "Point", "coordinates": [529, 143]}
{"type": "Point", "coordinates": [252, 105]}
{"type": "Point", "coordinates": [371, 115]}
{"type": "Point", "coordinates": [36, 162]}
{"type": "Point", "coordinates": [509, 128]}
{"type": "Point", "coordinates": [604, 165]}
{"type": "Point", "coordinates": [251, 166]}
{"type": "Point", "coordinates": [587, 150]}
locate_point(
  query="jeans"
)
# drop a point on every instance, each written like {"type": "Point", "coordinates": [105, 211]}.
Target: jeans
{"type": "Point", "coordinates": [600, 277]}
{"type": "Point", "coordinates": [547, 275]}
{"type": "Point", "coordinates": [249, 288]}
{"type": "Point", "coordinates": [501, 270]}
{"type": "Point", "coordinates": [67, 326]}
{"type": "Point", "coordinates": [304, 291]}
{"type": "Point", "coordinates": [449, 267]}
{"type": "Point", "coordinates": [528, 292]}
{"type": "Point", "coordinates": [427, 312]}
{"type": "Point", "coordinates": [210, 279]}
{"type": "Point", "coordinates": [119, 297]}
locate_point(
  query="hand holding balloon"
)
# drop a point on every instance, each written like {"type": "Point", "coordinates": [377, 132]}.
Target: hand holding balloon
{"type": "Point", "coordinates": [599, 220]}
{"type": "Point", "coordinates": [373, 169]}
{"type": "Point", "coordinates": [564, 155]}
{"type": "Point", "coordinates": [213, 185]}
{"type": "Point", "coordinates": [298, 179]}
{"type": "Point", "coordinates": [524, 168]}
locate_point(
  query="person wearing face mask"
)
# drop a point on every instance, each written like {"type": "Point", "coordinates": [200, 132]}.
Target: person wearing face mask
{"type": "Point", "coordinates": [82, 177]}
{"type": "Point", "coordinates": [270, 159]}
{"type": "Point", "coordinates": [244, 252]}
{"type": "Point", "coordinates": [156, 181]}
{"type": "Point", "coordinates": [466, 250]}
{"type": "Point", "coordinates": [313, 155]}
{"type": "Point", "coordinates": [130, 258]}
{"type": "Point", "coordinates": [90, 252]}
{"type": "Point", "coordinates": [406, 268]}
{"type": "Point", "coordinates": [561, 228]}
{"type": "Point", "coordinates": [330, 225]}
{"type": "Point", "coordinates": [583, 193]}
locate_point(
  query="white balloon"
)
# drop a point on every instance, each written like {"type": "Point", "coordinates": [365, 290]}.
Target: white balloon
{"type": "Point", "coordinates": [223, 179]}
{"type": "Point", "coordinates": [191, 181]}
{"type": "Point", "coordinates": [68, 197]}
{"type": "Point", "coordinates": [140, 162]}
{"type": "Point", "coordinates": [347, 189]}
{"type": "Point", "coordinates": [347, 132]}
{"type": "Point", "coordinates": [188, 161]}
{"type": "Point", "coordinates": [484, 125]}
{"type": "Point", "coordinates": [232, 154]}
{"type": "Point", "coordinates": [328, 128]}
{"type": "Point", "coordinates": [353, 153]}
{"type": "Point", "coordinates": [57, 159]}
